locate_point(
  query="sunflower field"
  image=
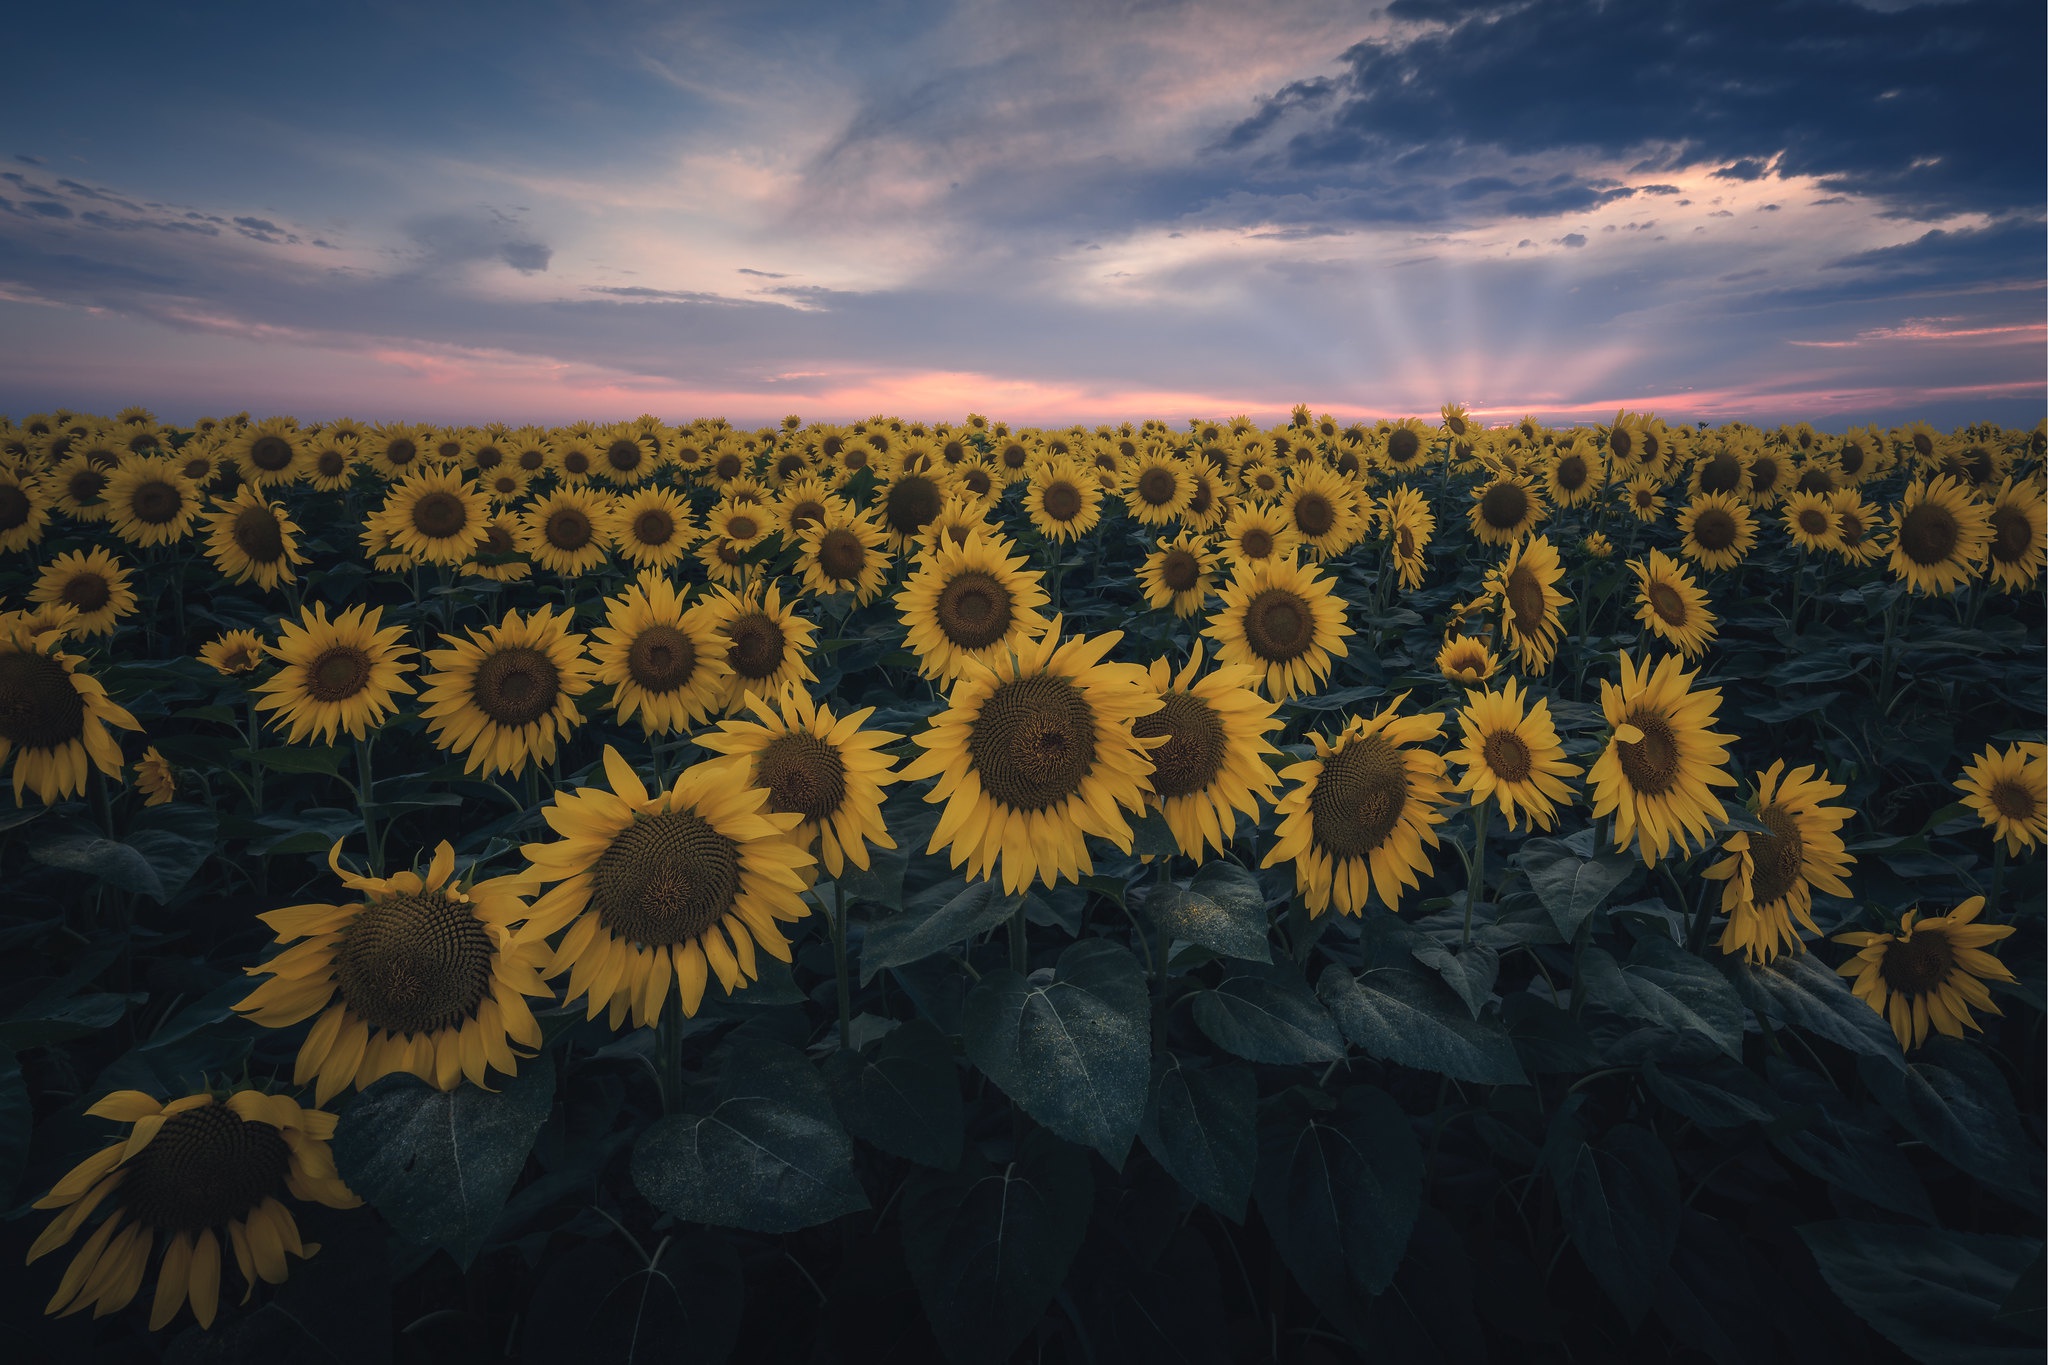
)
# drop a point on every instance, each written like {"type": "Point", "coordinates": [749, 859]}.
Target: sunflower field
{"type": "Point", "coordinates": [901, 891]}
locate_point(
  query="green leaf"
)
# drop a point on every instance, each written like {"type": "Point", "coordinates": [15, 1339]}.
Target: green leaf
{"type": "Point", "coordinates": [1844, 1142]}
{"type": "Point", "coordinates": [1621, 1208]}
{"type": "Point", "coordinates": [905, 1098]}
{"type": "Point", "coordinates": [1806, 993]}
{"type": "Point", "coordinates": [439, 1164]}
{"type": "Point", "coordinates": [769, 1157]}
{"type": "Point", "coordinates": [59, 1022]}
{"type": "Point", "coordinates": [1072, 1047]}
{"type": "Point", "coordinates": [1339, 1189]}
{"type": "Point", "coordinates": [1223, 909]}
{"type": "Point", "coordinates": [1571, 887]}
{"type": "Point", "coordinates": [910, 937]}
{"type": "Point", "coordinates": [1153, 837]}
{"type": "Point", "coordinates": [989, 1246]}
{"type": "Point", "coordinates": [1667, 988]}
{"type": "Point", "coordinates": [1954, 1098]}
{"type": "Point", "coordinates": [1470, 969]}
{"type": "Point", "coordinates": [1267, 1013]}
{"type": "Point", "coordinates": [1718, 1092]}
{"type": "Point", "coordinates": [1201, 1124]}
{"type": "Point", "coordinates": [17, 1117]}
{"type": "Point", "coordinates": [881, 881]}
{"type": "Point", "coordinates": [1933, 1293]}
{"type": "Point", "coordinates": [601, 1304]}
{"type": "Point", "coordinates": [163, 848]}
{"type": "Point", "coordinates": [1404, 1017]}
{"type": "Point", "coordinates": [298, 759]}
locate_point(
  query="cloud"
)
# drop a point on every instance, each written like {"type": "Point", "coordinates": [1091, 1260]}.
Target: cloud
{"type": "Point", "coordinates": [454, 239]}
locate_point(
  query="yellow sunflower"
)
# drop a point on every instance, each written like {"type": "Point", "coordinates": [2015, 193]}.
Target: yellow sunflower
{"type": "Point", "coordinates": [1466, 660]}
{"type": "Point", "coordinates": [1526, 586]}
{"type": "Point", "coordinates": [2019, 535]}
{"type": "Point", "coordinates": [804, 502]}
{"type": "Point", "coordinates": [1215, 762]}
{"type": "Point", "coordinates": [1928, 976]}
{"type": "Point", "coordinates": [1940, 536]}
{"type": "Point", "coordinates": [197, 1172]}
{"type": "Point", "coordinates": [1770, 474]}
{"type": "Point", "coordinates": [149, 501]}
{"type": "Point", "coordinates": [331, 461]}
{"type": "Point", "coordinates": [842, 550]}
{"type": "Point", "coordinates": [664, 662]}
{"type": "Point", "coordinates": [1671, 606]}
{"type": "Point", "coordinates": [826, 769]}
{"type": "Point", "coordinates": [673, 886]}
{"type": "Point", "coordinates": [2008, 790]}
{"type": "Point", "coordinates": [1410, 524]}
{"type": "Point", "coordinates": [1284, 619]}
{"type": "Point", "coordinates": [92, 581]}
{"type": "Point", "coordinates": [1406, 446]}
{"type": "Point", "coordinates": [767, 643]}
{"type": "Point", "coordinates": [907, 503]}
{"type": "Point", "coordinates": [1357, 818]}
{"type": "Point", "coordinates": [1262, 481]}
{"type": "Point", "coordinates": [270, 454]}
{"type": "Point", "coordinates": [1512, 755]}
{"type": "Point", "coordinates": [497, 556]}
{"type": "Point", "coordinates": [1862, 456]}
{"type": "Point", "coordinates": [24, 511]}
{"type": "Point", "coordinates": [1575, 474]}
{"type": "Point", "coordinates": [1810, 521]}
{"type": "Point", "coordinates": [1063, 499]}
{"type": "Point", "coordinates": [1256, 531]}
{"type": "Point", "coordinates": [563, 532]}
{"type": "Point", "coordinates": [1322, 509]}
{"type": "Point", "coordinates": [969, 602]}
{"type": "Point", "coordinates": [253, 540]}
{"type": "Point", "coordinates": [235, 652]}
{"type": "Point", "coordinates": [343, 675]}
{"type": "Point", "coordinates": [77, 488]}
{"type": "Point", "coordinates": [1724, 472]}
{"type": "Point", "coordinates": [506, 695]}
{"type": "Point", "coordinates": [435, 515]}
{"type": "Point", "coordinates": [1854, 522]}
{"type": "Point", "coordinates": [1155, 488]}
{"type": "Point", "coordinates": [1180, 574]}
{"type": "Point", "coordinates": [396, 449]}
{"type": "Point", "coordinates": [1645, 498]}
{"type": "Point", "coordinates": [1718, 531]}
{"type": "Point", "coordinates": [1655, 775]}
{"type": "Point", "coordinates": [53, 717]}
{"type": "Point", "coordinates": [1505, 509]}
{"type": "Point", "coordinates": [1208, 504]}
{"type": "Point", "coordinates": [1768, 878]}
{"type": "Point", "coordinates": [744, 526]}
{"type": "Point", "coordinates": [1598, 545]}
{"type": "Point", "coordinates": [154, 778]}
{"type": "Point", "coordinates": [626, 456]}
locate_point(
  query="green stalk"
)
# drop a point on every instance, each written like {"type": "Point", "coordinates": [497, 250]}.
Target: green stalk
{"type": "Point", "coordinates": [839, 969]}
{"type": "Point", "coordinates": [1475, 885]}
{"type": "Point", "coordinates": [364, 784]}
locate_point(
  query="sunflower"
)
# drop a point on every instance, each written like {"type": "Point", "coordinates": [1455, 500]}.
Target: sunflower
{"type": "Point", "coordinates": [331, 461]}
{"type": "Point", "coordinates": [1930, 974]}
{"type": "Point", "coordinates": [1526, 586]}
{"type": "Point", "coordinates": [766, 643]}
{"type": "Point", "coordinates": [2008, 790]}
{"type": "Point", "coordinates": [1770, 474]}
{"type": "Point", "coordinates": [842, 550]}
{"type": "Point", "coordinates": [563, 532]}
{"type": "Point", "coordinates": [1262, 481]}
{"type": "Point", "coordinates": [1464, 659]}
{"type": "Point", "coordinates": [1718, 531]}
{"type": "Point", "coordinates": [1215, 761]}
{"type": "Point", "coordinates": [24, 511]}
{"type": "Point", "coordinates": [339, 675]}
{"type": "Point", "coordinates": [962, 515]}
{"type": "Point", "coordinates": [434, 515]}
{"type": "Point", "coordinates": [575, 459]}
{"type": "Point", "coordinates": [270, 454]}
{"type": "Point", "coordinates": [94, 582]}
{"type": "Point", "coordinates": [250, 539]}
{"type": "Point", "coordinates": [1407, 445]}
{"type": "Point", "coordinates": [626, 456]}
{"type": "Point", "coordinates": [1512, 755]}
{"type": "Point", "coordinates": [1282, 618]}
{"type": "Point", "coordinates": [907, 503]}
{"type": "Point", "coordinates": [1179, 574]}
{"type": "Point", "coordinates": [1810, 521]}
{"type": "Point", "coordinates": [664, 662]}
{"type": "Point", "coordinates": [680, 884]}
{"type": "Point", "coordinates": [1817, 474]}
{"type": "Point", "coordinates": [1661, 759]}
{"type": "Point", "coordinates": [1768, 878]}
{"type": "Point", "coordinates": [1505, 509]}
{"type": "Point", "coordinates": [2019, 535]}
{"type": "Point", "coordinates": [1862, 456]}
{"type": "Point", "coordinates": [1255, 532]}
{"type": "Point", "coordinates": [1854, 521]}
{"type": "Point", "coordinates": [1360, 811]}
{"type": "Point", "coordinates": [506, 695]}
{"type": "Point", "coordinates": [826, 769]}
{"type": "Point", "coordinates": [743, 526]}
{"type": "Point", "coordinates": [1063, 499]}
{"type": "Point", "coordinates": [1575, 474]}
{"type": "Point", "coordinates": [1671, 606]}
{"type": "Point", "coordinates": [196, 1172]}
{"type": "Point", "coordinates": [149, 501]}
{"type": "Point", "coordinates": [1322, 508]}
{"type": "Point", "coordinates": [803, 502]}
{"type": "Point", "coordinates": [969, 601]}
{"type": "Point", "coordinates": [498, 557]}
{"type": "Point", "coordinates": [1155, 487]}
{"type": "Point", "coordinates": [1032, 754]}
{"type": "Point", "coordinates": [1940, 536]}
{"type": "Point", "coordinates": [395, 449]}
{"type": "Point", "coordinates": [154, 779]}
{"type": "Point", "coordinates": [1724, 471]}
{"type": "Point", "coordinates": [976, 477]}
{"type": "Point", "coordinates": [650, 527]}
{"type": "Point", "coordinates": [53, 718]}
{"type": "Point", "coordinates": [1410, 524]}
{"type": "Point", "coordinates": [233, 653]}
{"type": "Point", "coordinates": [1645, 498]}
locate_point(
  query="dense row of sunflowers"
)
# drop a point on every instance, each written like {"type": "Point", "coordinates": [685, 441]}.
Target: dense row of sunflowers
{"type": "Point", "coordinates": [715, 566]}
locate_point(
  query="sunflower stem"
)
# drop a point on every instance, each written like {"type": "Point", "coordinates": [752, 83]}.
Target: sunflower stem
{"type": "Point", "coordinates": [1475, 885]}
{"type": "Point", "coordinates": [668, 1052]}
{"type": "Point", "coordinates": [1020, 957]}
{"type": "Point", "coordinates": [256, 784]}
{"type": "Point", "coordinates": [839, 970]}
{"type": "Point", "coordinates": [372, 836]}
{"type": "Point", "coordinates": [1696, 937]}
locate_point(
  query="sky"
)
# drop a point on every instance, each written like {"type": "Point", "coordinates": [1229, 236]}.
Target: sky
{"type": "Point", "coordinates": [1048, 212]}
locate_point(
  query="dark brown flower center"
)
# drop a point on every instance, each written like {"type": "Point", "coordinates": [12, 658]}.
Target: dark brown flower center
{"type": "Point", "coordinates": [1668, 603]}
{"type": "Point", "coordinates": [414, 963]}
{"type": "Point", "coordinates": [1929, 533]}
{"type": "Point", "coordinates": [1313, 515]}
{"type": "Point", "coordinates": [330, 463]}
{"type": "Point", "coordinates": [1256, 543]}
{"type": "Point", "coordinates": [567, 528]}
{"type": "Point", "coordinates": [440, 515]}
{"type": "Point", "coordinates": [14, 507]}
{"type": "Point", "coordinates": [40, 707]}
{"type": "Point", "coordinates": [625, 455]}
{"type": "Point", "coordinates": [1852, 458]}
{"type": "Point", "coordinates": [156, 502]}
{"type": "Point", "coordinates": [2012, 534]}
{"type": "Point", "coordinates": [1062, 500]}
{"type": "Point", "coordinates": [653, 527]}
{"type": "Point", "coordinates": [1650, 765]}
{"type": "Point", "coordinates": [1359, 797]}
{"type": "Point", "coordinates": [1813, 521]}
{"type": "Point", "coordinates": [974, 610]}
{"type": "Point", "coordinates": [665, 879]}
{"type": "Point", "coordinates": [1507, 756]}
{"type": "Point", "coordinates": [576, 462]}
{"type": "Point", "coordinates": [205, 1168]}
{"type": "Point", "coordinates": [1158, 486]}
{"type": "Point", "coordinates": [1527, 605]}
{"type": "Point", "coordinates": [532, 459]}
{"type": "Point", "coordinates": [912, 502]}
{"type": "Point", "coordinates": [1014, 455]}
{"type": "Point", "coordinates": [1279, 625]}
{"type": "Point", "coordinates": [1034, 741]}
{"type": "Point", "coordinates": [1763, 473]}
{"type": "Point", "coordinates": [803, 774]}
{"type": "Point", "coordinates": [340, 672]}
{"type": "Point", "coordinates": [1180, 570]}
{"type": "Point", "coordinates": [401, 450]}
{"type": "Point", "coordinates": [1622, 442]}
{"type": "Point", "coordinates": [758, 645]}
{"type": "Point", "coordinates": [661, 659]}
{"type": "Point", "coordinates": [1504, 505]}
{"type": "Point", "coordinates": [1918, 963]}
{"type": "Point", "coordinates": [88, 590]}
{"type": "Point", "coordinates": [729, 466]}
{"type": "Point", "coordinates": [2011, 798]}
{"type": "Point", "coordinates": [1721, 473]}
{"type": "Point", "coordinates": [1403, 445]}
{"type": "Point", "coordinates": [486, 458]}
{"type": "Point", "coordinates": [1815, 478]}
{"type": "Point", "coordinates": [1572, 473]}
{"type": "Point", "coordinates": [516, 685]}
{"type": "Point", "coordinates": [1714, 529]}
{"type": "Point", "coordinates": [1777, 856]}
{"type": "Point", "coordinates": [742, 527]}
{"type": "Point", "coordinates": [270, 453]}
{"type": "Point", "coordinates": [1195, 748]}
{"type": "Point", "coordinates": [805, 512]}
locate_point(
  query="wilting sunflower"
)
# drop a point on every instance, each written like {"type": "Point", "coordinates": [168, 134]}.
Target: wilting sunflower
{"type": "Point", "coordinates": [1671, 606]}
{"type": "Point", "coordinates": [1512, 755]}
{"type": "Point", "coordinates": [1662, 759]}
{"type": "Point", "coordinates": [821, 767]}
{"type": "Point", "coordinates": [664, 662]}
{"type": "Point", "coordinates": [1410, 524]}
{"type": "Point", "coordinates": [2008, 789]}
{"type": "Point", "coordinates": [1256, 532]}
{"type": "Point", "coordinates": [24, 511]}
{"type": "Point", "coordinates": [1575, 474]}
{"type": "Point", "coordinates": [435, 515]}
{"type": "Point", "coordinates": [1063, 499]}
{"type": "Point", "coordinates": [1768, 878]}
{"type": "Point", "coordinates": [1359, 813]}
{"type": "Point", "coordinates": [1940, 536]}
{"type": "Point", "coordinates": [767, 643]}
{"type": "Point", "coordinates": [907, 503]}
{"type": "Point", "coordinates": [842, 550]}
{"type": "Point", "coordinates": [251, 539]}
{"type": "Point", "coordinates": [1810, 521]}
{"type": "Point", "coordinates": [1645, 498]}
{"type": "Point", "coordinates": [154, 778]}
{"type": "Point", "coordinates": [1033, 754]}
{"type": "Point", "coordinates": [342, 675]}
{"type": "Point", "coordinates": [1718, 531]}
{"type": "Point", "coordinates": [423, 975]}
{"type": "Point", "coordinates": [969, 602]}
{"type": "Point", "coordinates": [1526, 586]}
{"type": "Point", "coordinates": [53, 717]}
{"type": "Point", "coordinates": [2019, 535]}
{"type": "Point", "coordinates": [505, 695]}
{"type": "Point", "coordinates": [270, 454]}
{"type": "Point", "coordinates": [564, 531]}
{"type": "Point", "coordinates": [1464, 659]}
{"type": "Point", "coordinates": [1215, 761]}
{"type": "Point", "coordinates": [1322, 508]}
{"type": "Point", "coordinates": [1179, 574]}
{"type": "Point", "coordinates": [1284, 619]}
{"type": "Point", "coordinates": [1928, 976]}
{"type": "Point", "coordinates": [196, 1172]}
{"type": "Point", "coordinates": [677, 885]}
{"type": "Point", "coordinates": [1505, 509]}
{"type": "Point", "coordinates": [149, 500]}
{"type": "Point", "coordinates": [233, 653]}
{"type": "Point", "coordinates": [92, 581]}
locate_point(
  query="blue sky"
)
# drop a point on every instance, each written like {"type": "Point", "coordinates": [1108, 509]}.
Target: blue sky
{"type": "Point", "coordinates": [1050, 212]}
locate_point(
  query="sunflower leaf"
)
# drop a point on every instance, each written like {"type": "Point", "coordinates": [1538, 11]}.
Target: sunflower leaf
{"type": "Point", "coordinates": [1268, 1014]}
{"type": "Point", "coordinates": [1804, 992]}
{"type": "Point", "coordinates": [1677, 994]}
{"type": "Point", "coordinates": [1933, 1293]}
{"type": "Point", "coordinates": [1954, 1098]}
{"type": "Point", "coordinates": [1223, 908]}
{"type": "Point", "coordinates": [909, 937]}
{"type": "Point", "coordinates": [904, 1098]}
{"type": "Point", "coordinates": [1621, 1209]}
{"type": "Point", "coordinates": [1844, 1142]}
{"type": "Point", "coordinates": [1570, 887]}
{"type": "Point", "coordinates": [1201, 1125]}
{"type": "Point", "coordinates": [1401, 1016]}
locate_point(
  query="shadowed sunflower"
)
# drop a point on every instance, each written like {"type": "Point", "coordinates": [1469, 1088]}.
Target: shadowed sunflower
{"type": "Point", "coordinates": [1322, 508]}
{"type": "Point", "coordinates": [1207, 505]}
{"type": "Point", "coordinates": [1724, 472]}
{"type": "Point", "coordinates": [1927, 977]}
{"type": "Point", "coordinates": [823, 768]}
{"type": "Point", "coordinates": [1645, 497]}
{"type": "Point", "coordinates": [1768, 877]}
{"type": "Point", "coordinates": [1505, 509]}
{"type": "Point", "coordinates": [1359, 813]}
{"type": "Point", "coordinates": [969, 602]}
{"type": "Point", "coordinates": [196, 1172]}
{"type": "Point", "coordinates": [53, 716]}
{"type": "Point", "coordinates": [251, 540]}
{"type": "Point", "coordinates": [331, 461]}
{"type": "Point", "coordinates": [767, 643]}
{"type": "Point", "coordinates": [2008, 790]}
{"type": "Point", "coordinates": [1671, 606]}
{"type": "Point", "coordinates": [2019, 535]}
{"type": "Point", "coordinates": [841, 550]}
{"type": "Point", "coordinates": [906, 504]}
{"type": "Point", "coordinates": [1215, 761]}
{"type": "Point", "coordinates": [665, 663]}
{"type": "Point", "coordinates": [93, 582]}
{"type": "Point", "coordinates": [1033, 754]}
{"type": "Point", "coordinates": [149, 501]}
{"type": "Point", "coordinates": [24, 511]}
{"type": "Point", "coordinates": [563, 532]}
{"type": "Point", "coordinates": [1810, 521]}
{"type": "Point", "coordinates": [155, 780]}
{"type": "Point", "coordinates": [77, 487]}
{"type": "Point", "coordinates": [1410, 524]}
{"type": "Point", "coordinates": [506, 695]}
{"type": "Point", "coordinates": [669, 887]}
{"type": "Point", "coordinates": [270, 454]}
{"type": "Point", "coordinates": [1179, 574]}
{"type": "Point", "coordinates": [1156, 488]}
{"type": "Point", "coordinates": [235, 652]}
{"type": "Point", "coordinates": [1817, 474]}
{"type": "Point", "coordinates": [1526, 586]}
{"type": "Point", "coordinates": [342, 675]}
{"type": "Point", "coordinates": [423, 975]}
{"type": "Point", "coordinates": [1256, 532]}
{"type": "Point", "coordinates": [1063, 499]}
{"type": "Point", "coordinates": [396, 449]}
{"type": "Point", "coordinates": [1284, 619]}
{"type": "Point", "coordinates": [497, 557]}
{"type": "Point", "coordinates": [1464, 659]}
{"type": "Point", "coordinates": [1656, 774]}
{"type": "Point", "coordinates": [1512, 755]}
{"type": "Point", "coordinates": [1940, 536]}
{"type": "Point", "coordinates": [1854, 522]}
{"type": "Point", "coordinates": [1718, 531]}
{"type": "Point", "coordinates": [1770, 474]}
{"type": "Point", "coordinates": [435, 516]}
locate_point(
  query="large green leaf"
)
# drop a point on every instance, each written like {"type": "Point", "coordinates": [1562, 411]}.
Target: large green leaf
{"type": "Point", "coordinates": [1843, 1141]}
{"type": "Point", "coordinates": [1223, 909]}
{"type": "Point", "coordinates": [158, 855]}
{"type": "Point", "coordinates": [1668, 989]}
{"type": "Point", "coordinates": [1401, 1016]}
{"type": "Point", "coordinates": [1570, 887]}
{"type": "Point", "coordinates": [989, 1245]}
{"type": "Point", "coordinates": [1201, 1124]}
{"type": "Point", "coordinates": [1268, 1014]}
{"type": "Point", "coordinates": [439, 1164]}
{"type": "Point", "coordinates": [1933, 1293]}
{"type": "Point", "coordinates": [909, 937]}
{"type": "Point", "coordinates": [1953, 1098]}
{"type": "Point", "coordinates": [1621, 1207]}
{"type": "Point", "coordinates": [601, 1304]}
{"type": "Point", "coordinates": [1805, 992]}
{"type": "Point", "coordinates": [770, 1155]}
{"type": "Point", "coordinates": [903, 1095]}
{"type": "Point", "coordinates": [1071, 1047]}
{"type": "Point", "coordinates": [1716, 1092]}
